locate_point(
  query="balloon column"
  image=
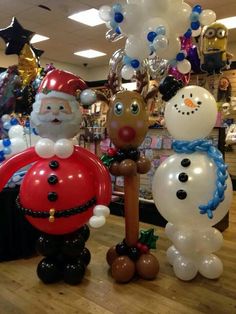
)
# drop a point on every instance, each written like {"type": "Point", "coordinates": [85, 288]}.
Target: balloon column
{"type": "Point", "coordinates": [152, 32]}
{"type": "Point", "coordinates": [191, 188]}
{"type": "Point", "coordinates": [66, 186]}
{"type": "Point", "coordinates": [127, 124]}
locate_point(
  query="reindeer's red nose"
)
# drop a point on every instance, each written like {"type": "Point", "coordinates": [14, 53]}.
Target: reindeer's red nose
{"type": "Point", "coordinates": [126, 133]}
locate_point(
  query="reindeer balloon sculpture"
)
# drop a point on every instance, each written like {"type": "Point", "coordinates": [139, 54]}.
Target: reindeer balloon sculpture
{"type": "Point", "coordinates": [127, 124]}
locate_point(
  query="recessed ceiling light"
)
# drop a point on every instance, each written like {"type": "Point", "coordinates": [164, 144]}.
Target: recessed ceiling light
{"type": "Point", "coordinates": [37, 38]}
{"type": "Point", "coordinates": [89, 17]}
{"type": "Point", "coordinates": [90, 53]}
{"type": "Point", "coordinates": [229, 22]}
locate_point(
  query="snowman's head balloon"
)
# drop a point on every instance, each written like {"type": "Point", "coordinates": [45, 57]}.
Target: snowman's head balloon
{"type": "Point", "coordinates": [191, 114]}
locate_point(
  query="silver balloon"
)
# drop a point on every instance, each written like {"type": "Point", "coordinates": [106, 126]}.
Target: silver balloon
{"type": "Point", "coordinates": [115, 66]}
{"type": "Point", "coordinates": [157, 67]}
{"type": "Point", "coordinates": [112, 36]}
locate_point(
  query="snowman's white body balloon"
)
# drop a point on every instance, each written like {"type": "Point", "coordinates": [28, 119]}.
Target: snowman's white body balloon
{"type": "Point", "coordinates": [183, 182]}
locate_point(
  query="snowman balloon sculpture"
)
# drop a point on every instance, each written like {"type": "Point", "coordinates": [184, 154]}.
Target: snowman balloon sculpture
{"type": "Point", "coordinates": [66, 186]}
{"type": "Point", "coordinates": [191, 188]}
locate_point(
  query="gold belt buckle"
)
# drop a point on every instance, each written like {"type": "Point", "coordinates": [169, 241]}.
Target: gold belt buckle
{"type": "Point", "coordinates": [51, 213]}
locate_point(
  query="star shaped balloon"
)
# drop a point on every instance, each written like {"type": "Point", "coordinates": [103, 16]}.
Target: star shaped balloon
{"type": "Point", "coordinates": [15, 37]}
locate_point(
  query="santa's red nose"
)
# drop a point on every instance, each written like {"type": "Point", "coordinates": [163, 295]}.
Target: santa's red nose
{"type": "Point", "coordinates": [126, 133]}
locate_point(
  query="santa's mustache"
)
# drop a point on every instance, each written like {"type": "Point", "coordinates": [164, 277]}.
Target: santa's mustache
{"type": "Point", "coordinates": [48, 117]}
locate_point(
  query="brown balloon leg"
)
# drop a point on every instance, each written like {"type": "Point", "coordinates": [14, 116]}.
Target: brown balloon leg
{"type": "Point", "coordinates": [123, 269]}
{"type": "Point", "coordinates": [111, 255]}
{"type": "Point", "coordinates": [147, 266]}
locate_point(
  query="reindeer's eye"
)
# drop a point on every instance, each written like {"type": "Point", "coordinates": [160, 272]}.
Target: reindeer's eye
{"type": "Point", "coordinates": [118, 108]}
{"type": "Point", "coordinates": [134, 108]}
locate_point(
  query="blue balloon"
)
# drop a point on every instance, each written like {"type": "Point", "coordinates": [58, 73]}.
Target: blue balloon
{"type": "Point", "coordinates": [195, 25]}
{"type": "Point", "coordinates": [197, 8]}
{"type": "Point", "coordinates": [135, 63]}
{"type": "Point", "coordinates": [117, 7]}
{"type": "Point", "coordinates": [7, 150]}
{"type": "Point", "coordinates": [118, 17]}
{"type": "Point", "coordinates": [6, 142]}
{"type": "Point", "coordinates": [188, 34]}
{"type": "Point", "coordinates": [127, 60]}
{"type": "Point", "coordinates": [194, 17]}
{"type": "Point", "coordinates": [7, 125]}
{"type": "Point", "coordinates": [180, 56]}
{"type": "Point", "coordinates": [14, 121]}
{"type": "Point", "coordinates": [151, 36]}
{"type": "Point", "coordinates": [118, 31]}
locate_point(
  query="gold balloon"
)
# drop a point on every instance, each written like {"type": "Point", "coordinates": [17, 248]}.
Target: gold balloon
{"type": "Point", "coordinates": [27, 66]}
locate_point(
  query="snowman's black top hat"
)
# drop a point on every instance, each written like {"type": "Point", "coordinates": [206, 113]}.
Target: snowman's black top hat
{"type": "Point", "coordinates": [169, 87]}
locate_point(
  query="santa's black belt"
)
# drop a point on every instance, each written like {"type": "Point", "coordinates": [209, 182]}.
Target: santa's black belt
{"type": "Point", "coordinates": [52, 213]}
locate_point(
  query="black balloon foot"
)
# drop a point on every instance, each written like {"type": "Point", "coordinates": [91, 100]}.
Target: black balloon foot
{"type": "Point", "coordinates": [66, 257]}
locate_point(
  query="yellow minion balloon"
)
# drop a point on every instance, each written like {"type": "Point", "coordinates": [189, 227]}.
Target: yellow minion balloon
{"type": "Point", "coordinates": [214, 46]}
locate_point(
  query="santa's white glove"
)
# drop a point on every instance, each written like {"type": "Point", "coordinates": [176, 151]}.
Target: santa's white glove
{"type": "Point", "coordinates": [100, 212]}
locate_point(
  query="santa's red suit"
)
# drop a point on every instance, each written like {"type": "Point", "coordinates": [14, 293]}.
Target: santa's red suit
{"type": "Point", "coordinates": [58, 194]}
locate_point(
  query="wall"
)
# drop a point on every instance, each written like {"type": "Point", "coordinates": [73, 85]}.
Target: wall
{"type": "Point", "coordinates": [5, 61]}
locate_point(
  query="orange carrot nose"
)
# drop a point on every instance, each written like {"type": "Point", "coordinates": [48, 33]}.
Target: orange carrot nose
{"type": "Point", "coordinates": [188, 102]}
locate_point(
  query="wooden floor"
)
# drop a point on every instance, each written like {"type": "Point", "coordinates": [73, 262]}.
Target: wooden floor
{"type": "Point", "coordinates": [22, 292]}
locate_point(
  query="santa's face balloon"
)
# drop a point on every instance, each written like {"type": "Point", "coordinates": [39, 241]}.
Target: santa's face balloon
{"type": "Point", "coordinates": [191, 113]}
{"type": "Point", "coordinates": [56, 118]}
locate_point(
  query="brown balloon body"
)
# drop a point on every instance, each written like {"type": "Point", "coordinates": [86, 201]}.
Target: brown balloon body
{"type": "Point", "coordinates": [127, 120]}
{"type": "Point", "coordinates": [143, 165]}
{"type": "Point", "coordinates": [128, 167]}
{"type": "Point", "coordinates": [147, 266]}
{"type": "Point", "coordinates": [123, 269]}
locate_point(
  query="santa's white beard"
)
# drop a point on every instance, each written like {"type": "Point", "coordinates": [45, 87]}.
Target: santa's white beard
{"type": "Point", "coordinates": [68, 128]}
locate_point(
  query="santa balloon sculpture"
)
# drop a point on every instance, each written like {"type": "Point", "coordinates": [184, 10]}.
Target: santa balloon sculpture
{"type": "Point", "coordinates": [60, 190]}
{"type": "Point", "coordinates": [191, 188]}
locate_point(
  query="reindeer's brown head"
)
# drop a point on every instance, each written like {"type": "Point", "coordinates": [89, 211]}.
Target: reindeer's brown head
{"type": "Point", "coordinates": [127, 120]}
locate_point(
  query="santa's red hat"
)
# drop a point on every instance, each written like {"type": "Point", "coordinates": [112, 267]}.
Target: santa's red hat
{"type": "Point", "coordinates": [60, 84]}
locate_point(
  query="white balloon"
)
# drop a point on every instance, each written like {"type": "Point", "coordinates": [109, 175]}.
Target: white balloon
{"type": "Point", "coordinates": [185, 241]}
{"type": "Point", "coordinates": [136, 49]}
{"type": "Point", "coordinates": [16, 131]}
{"type": "Point", "coordinates": [105, 13]}
{"type": "Point", "coordinates": [197, 32]}
{"type": "Point", "coordinates": [191, 113]}
{"type": "Point", "coordinates": [45, 148]}
{"type": "Point", "coordinates": [88, 97]}
{"type": "Point", "coordinates": [17, 145]}
{"type": "Point", "coordinates": [101, 210]}
{"type": "Point", "coordinates": [5, 118]}
{"type": "Point", "coordinates": [209, 240]}
{"type": "Point", "coordinates": [199, 188]}
{"type": "Point", "coordinates": [172, 254]}
{"type": "Point", "coordinates": [127, 72]}
{"type": "Point", "coordinates": [132, 22]}
{"type": "Point", "coordinates": [210, 266]}
{"type": "Point", "coordinates": [170, 230]}
{"type": "Point", "coordinates": [97, 222]}
{"type": "Point", "coordinates": [63, 148]}
{"type": "Point", "coordinates": [160, 42]}
{"type": "Point", "coordinates": [207, 17]}
{"type": "Point", "coordinates": [172, 49]}
{"type": "Point", "coordinates": [185, 268]}
{"type": "Point", "coordinates": [184, 66]}
{"type": "Point", "coordinates": [179, 18]}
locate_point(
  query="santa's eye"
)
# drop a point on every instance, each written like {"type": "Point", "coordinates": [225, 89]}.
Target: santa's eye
{"type": "Point", "coordinates": [134, 108]}
{"type": "Point", "coordinates": [221, 33]}
{"type": "Point", "coordinates": [118, 108]}
{"type": "Point", "coordinates": [61, 108]}
{"type": "Point", "coordinates": [210, 33]}
{"type": "Point", "coordinates": [49, 107]}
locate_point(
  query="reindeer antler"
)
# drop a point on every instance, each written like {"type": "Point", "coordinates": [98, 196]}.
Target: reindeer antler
{"type": "Point", "coordinates": [113, 83]}
{"type": "Point", "coordinates": [142, 81]}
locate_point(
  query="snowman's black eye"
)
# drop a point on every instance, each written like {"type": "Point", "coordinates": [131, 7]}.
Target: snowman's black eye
{"type": "Point", "coordinates": [182, 96]}
{"type": "Point", "coordinates": [181, 194]}
{"type": "Point", "coordinates": [191, 95]}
